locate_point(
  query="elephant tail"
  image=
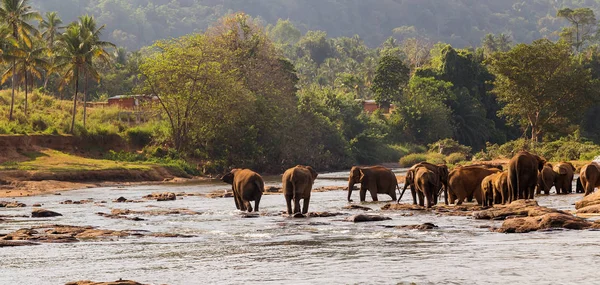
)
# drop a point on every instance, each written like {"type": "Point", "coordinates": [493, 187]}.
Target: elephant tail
{"type": "Point", "coordinates": [260, 185]}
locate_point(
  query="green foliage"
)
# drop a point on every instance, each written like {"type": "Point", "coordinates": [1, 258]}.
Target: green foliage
{"type": "Point", "coordinates": [390, 78]}
{"type": "Point", "coordinates": [412, 159]}
{"type": "Point", "coordinates": [449, 146]}
{"type": "Point", "coordinates": [456, 157]}
{"type": "Point", "coordinates": [139, 136]}
{"type": "Point", "coordinates": [541, 83]}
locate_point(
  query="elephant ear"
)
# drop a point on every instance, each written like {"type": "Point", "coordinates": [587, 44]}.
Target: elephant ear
{"type": "Point", "coordinates": [363, 178]}
{"type": "Point", "coordinates": [313, 173]}
{"type": "Point", "coordinates": [228, 177]}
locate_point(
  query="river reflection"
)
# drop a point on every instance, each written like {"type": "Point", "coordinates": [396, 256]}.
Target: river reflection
{"type": "Point", "coordinates": [272, 249]}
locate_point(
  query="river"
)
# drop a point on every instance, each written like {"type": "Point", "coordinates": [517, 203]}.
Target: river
{"type": "Point", "coordinates": [272, 249]}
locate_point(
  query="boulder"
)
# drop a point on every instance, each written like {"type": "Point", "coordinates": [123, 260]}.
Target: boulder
{"type": "Point", "coordinates": [118, 282]}
{"type": "Point", "coordinates": [519, 208]}
{"type": "Point", "coordinates": [13, 204]}
{"type": "Point", "coordinates": [324, 214]}
{"type": "Point", "coordinates": [544, 222]}
{"type": "Point", "coordinates": [589, 200]}
{"type": "Point", "coordinates": [165, 196]}
{"type": "Point", "coordinates": [366, 218]}
{"type": "Point", "coordinates": [356, 207]}
{"type": "Point", "coordinates": [402, 207]}
{"type": "Point", "coordinates": [425, 226]}
{"type": "Point", "coordinates": [43, 213]}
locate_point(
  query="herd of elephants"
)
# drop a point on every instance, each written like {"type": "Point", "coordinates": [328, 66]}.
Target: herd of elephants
{"type": "Point", "coordinates": [527, 175]}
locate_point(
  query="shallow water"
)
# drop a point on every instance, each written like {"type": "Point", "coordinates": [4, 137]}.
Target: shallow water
{"type": "Point", "coordinates": [227, 248]}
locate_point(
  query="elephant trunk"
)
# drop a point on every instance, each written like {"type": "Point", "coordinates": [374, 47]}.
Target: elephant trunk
{"type": "Point", "coordinates": [350, 186]}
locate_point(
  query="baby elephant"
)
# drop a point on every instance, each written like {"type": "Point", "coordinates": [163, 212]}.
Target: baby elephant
{"type": "Point", "coordinates": [297, 184]}
{"type": "Point", "coordinates": [247, 186]}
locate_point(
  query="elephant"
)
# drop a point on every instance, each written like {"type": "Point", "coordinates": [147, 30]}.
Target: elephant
{"type": "Point", "coordinates": [427, 184]}
{"type": "Point", "coordinates": [247, 186]}
{"type": "Point", "coordinates": [487, 190]}
{"type": "Point", "coordinates": [466, 181]}
{"type": "Point", "coordinates": [500, 183]}
{"type": "Point", "coordinates": [578, 186]}
{"type": "Point", "coordinates": [523, 171]}
{"type": "Point", "coordinates": [441, 170]}
{"type": "Point", "coordinates": [376, 179]}
{"type": "Point", "coordinates": [297, 184]}
{"type": "Point", "coordinates": [590, 177]}
{"type": "Point", "coordinates": [546, 179]}
{"type": "Point", "coordinates": [494, 189]}
{"type": "Point", "coordinates": [564, 177]}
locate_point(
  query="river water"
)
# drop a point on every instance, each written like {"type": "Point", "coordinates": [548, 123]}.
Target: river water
{"type": "Point", "coordinates": [272, 249]}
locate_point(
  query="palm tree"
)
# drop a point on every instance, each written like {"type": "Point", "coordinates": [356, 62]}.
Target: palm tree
{"type": "Point", "coordinates": [96, 50]}
{"type": "Point", "coordinates": [71, 56]}
{"type": "Point", "coordinates": [32, 63]}
{"type": "Point", "coordinates": [16, 14]}
{"type": "Point", "coordinates": [50, 28]}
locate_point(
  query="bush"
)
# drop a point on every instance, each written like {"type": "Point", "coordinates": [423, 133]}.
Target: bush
{"type": "Point", "coordinates": [455, 158]}
{"type": "Point", "coordinates": [412, 159]}
{"type": "Point", "coordinates": [139, 136]}
{"type": "Point", "coordinates": [449, 146]}
{"type": "Point", "coordinates": [436, 158]}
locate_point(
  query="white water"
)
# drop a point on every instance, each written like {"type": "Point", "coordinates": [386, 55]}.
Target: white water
{"type": "Point", "coordinates": [273, 249]}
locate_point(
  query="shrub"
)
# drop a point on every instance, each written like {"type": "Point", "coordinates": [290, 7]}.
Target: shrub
{"type": "Point", "coordinates": [455, 158]}
{"type": "Point", "coordinates": [449, 146]}
{"type": "Point", "coordinates": [139, 136]}
{"type": "Point", "coordinates": [412, 159]}
{"type": "Point", "coordinates": [436, 158]}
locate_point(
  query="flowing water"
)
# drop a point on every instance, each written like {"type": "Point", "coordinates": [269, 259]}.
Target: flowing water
{"type": "Point", "coordinates": [273, 249]}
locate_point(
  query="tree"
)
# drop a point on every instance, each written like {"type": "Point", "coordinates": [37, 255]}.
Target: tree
{"type": "Point", "coordinates": [316, 45]}
{"type": "Point", "coordinates": [284, 32]}
{"type": "Point", "coordinates": [71, 56]}
{"type": "Point", "coordinates": [95, 49]}
{"type": "Point", "coordinates": [539, 83]}
{"type": "Point", "coordinates": [50, 28]}
{"type": "Point", "coordinates": [31, 64]}
{"type": "Point", "coordinates": [583, 23]}
{"type": "Point", "coordinates": [16, 14]}
{"type": "Point", "coordinates": [390, 78]}
{"type": "Point", "coordinates": [196, 88]}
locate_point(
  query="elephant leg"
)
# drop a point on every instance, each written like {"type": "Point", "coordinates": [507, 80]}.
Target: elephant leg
{"type": "Point", "coordinates": [589, 189]}
{"type": "Point", "coordinates": [363, 194]}
{"type": "Point", "coordinates": [288, 201]}
{"type": "Point", "coordinates": [306, 202]}
{"type": "Point", "coordinates": [373, 194]}
{"type": "Point", "coordinates": [237, 203]}
{"type": "Point", "coordinates": [257, 202]}
{"type": "Point", "coordinates": [248, 206]}
{"type": "Point", "coordinates": [451, 197]}
{"type": "Point", "coordinates": [393, 194]}
{"type": "Point", "coordinates": [414, 195]}
{"type": "Point", "coordinates": [461, 199]}
{"type": "Point", "coordinates": [297, 204]}
{"type": "Point", "coordinates": [421, 198]}
{"type": "Point", "coordinates": [429, 194]}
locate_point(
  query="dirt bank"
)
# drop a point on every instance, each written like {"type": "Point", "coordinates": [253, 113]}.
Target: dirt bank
{"type": "Point", "coordinates": [17, 183]}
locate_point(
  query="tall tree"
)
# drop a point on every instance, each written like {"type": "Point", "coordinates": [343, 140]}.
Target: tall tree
{"type": "Point", "coordinates": [583, 27]}
{"type": "Point", "coordinates": [539, 83]}
{"type": "Point", "coordinates": [16, 14]}
{"type": "Point", "coordinates": [31, 64]}
{"type": "Point", "coordinates": [71, 56]}
{"type": "Point", "coordinates": [390, 79]}
{"type": "Point", "coordinates": [50, 28]}
{"type": "Point", "coordinates": [95, 49]}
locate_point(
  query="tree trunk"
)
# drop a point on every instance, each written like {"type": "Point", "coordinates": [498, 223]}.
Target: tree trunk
{"type": "Point", "coordinates": [26, 94]}
{"type": "Point", "coordinates": [85, 90]}
{"type": "Point", "coordinates": [12, 97]}
{"type": "Point", "coordinates": [75, 100]}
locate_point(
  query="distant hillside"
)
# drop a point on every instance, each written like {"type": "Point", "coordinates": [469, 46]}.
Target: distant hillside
{"type": "Point", "coordinates": [137, 23]}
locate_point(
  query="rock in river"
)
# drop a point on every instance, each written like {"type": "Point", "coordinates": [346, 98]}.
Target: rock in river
{"type": "Point", "coordinates": [43, 213]}
{"type": "Point", "coordinates": [366, 218]}
{"type": "Point", "coordinates": [165, 196]}
{"type": "Point", "coordinates": [118, 282]}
